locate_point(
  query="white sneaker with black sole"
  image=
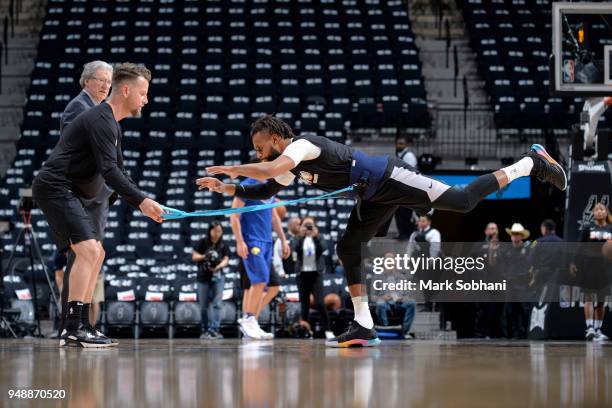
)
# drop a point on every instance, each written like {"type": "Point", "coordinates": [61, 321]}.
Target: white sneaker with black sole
{"type": "Point", "coordinates": [84, 337]}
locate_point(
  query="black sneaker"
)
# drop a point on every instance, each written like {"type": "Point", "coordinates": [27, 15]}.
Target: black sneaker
{"type": "Point", "coordinates": [84, 337]}
{"type": "Point", "coordinates": [355, 336]}
{"type": "Point", "coordinates": [545, 168]}
{"type": "Point", "coordinates": [100, 334]}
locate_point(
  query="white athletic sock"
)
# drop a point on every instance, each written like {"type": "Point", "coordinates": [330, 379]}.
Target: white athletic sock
{"type": "Point", "coordinates": [589, 323]}
{"type": "Point", "coordinates": [521, 168]}
{"type": "Point", "coordinates": [362, 311]}
{"type": "Point", "coordinates": [597, 324]}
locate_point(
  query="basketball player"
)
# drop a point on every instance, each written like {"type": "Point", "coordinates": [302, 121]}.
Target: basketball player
{"type": "Point", "coordinates": [382, 184]}
{"type": "Point", "coordinates": [253, 232]}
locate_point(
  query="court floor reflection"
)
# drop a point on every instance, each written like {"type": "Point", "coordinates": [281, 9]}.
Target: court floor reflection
{"type": "Point", "coordinates": [303, 373]}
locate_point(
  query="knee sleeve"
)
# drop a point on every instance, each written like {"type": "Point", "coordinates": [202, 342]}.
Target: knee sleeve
{"type": "Point", "coordinates": [464, 200]}
{"type": "Point", "coordinates": [455, 199]}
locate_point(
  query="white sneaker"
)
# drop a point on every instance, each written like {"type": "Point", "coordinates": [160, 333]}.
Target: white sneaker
{"type": "Point", "coordinates": [250, 328]}
{"type": "Point", "coordinates": [590, 333]}
{"type": "Point", "coordinates": [599, 336]}
{"type": "Point", "coordinates": [329, 335]}
{"type": "Point", "coordinates": [264, 334]}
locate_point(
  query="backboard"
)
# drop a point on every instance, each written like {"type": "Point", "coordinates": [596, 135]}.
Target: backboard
{"type": "Point", "coordinates": [582, 49]}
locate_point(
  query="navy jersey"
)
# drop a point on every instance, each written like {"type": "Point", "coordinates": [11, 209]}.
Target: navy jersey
{"type": "Point", "coordinates": [331, 166]}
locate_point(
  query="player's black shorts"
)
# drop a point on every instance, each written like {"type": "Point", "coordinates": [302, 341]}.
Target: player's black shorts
{"type": "Point", "coordinates": [245, 283]}
{"type": "Point", "coordinates": [68, 220]}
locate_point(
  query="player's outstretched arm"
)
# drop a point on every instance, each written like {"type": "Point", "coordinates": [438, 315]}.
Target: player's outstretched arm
{"type": "Point", "coordinates": [259, 171]}
{"type": "Point", "coordinates": [261, 191]}
{"type": "Point", "coordinates": [216, 185]}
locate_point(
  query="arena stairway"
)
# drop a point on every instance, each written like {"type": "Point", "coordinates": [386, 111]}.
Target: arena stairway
{"type": "Point", "coordinates": [16, 74]}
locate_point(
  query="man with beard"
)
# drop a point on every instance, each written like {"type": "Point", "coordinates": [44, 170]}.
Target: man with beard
{"type": "Point", "coordinates": [382, 184]}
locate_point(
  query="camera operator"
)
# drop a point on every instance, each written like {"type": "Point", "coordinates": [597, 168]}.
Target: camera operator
{"type": "Point", "coordinates": [310, 266]}
{"type": "Point", "coordinates": [212, 255]}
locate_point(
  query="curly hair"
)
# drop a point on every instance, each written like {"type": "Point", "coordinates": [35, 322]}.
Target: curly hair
{"type": "Point", "coordinates": [273, 126]}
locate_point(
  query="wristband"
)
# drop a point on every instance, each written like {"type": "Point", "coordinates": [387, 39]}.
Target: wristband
{"type": "Point", "coordinates": [239, 191]}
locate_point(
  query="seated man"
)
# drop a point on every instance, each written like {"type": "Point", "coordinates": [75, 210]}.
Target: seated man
{"type": "Point", "coordinates": [395, 301]}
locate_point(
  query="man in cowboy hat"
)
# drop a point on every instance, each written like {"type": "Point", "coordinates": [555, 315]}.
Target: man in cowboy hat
{"type": "Point", "coordinates": [515, 264]}
{"type": "Point", "coordinates": [518, 234]}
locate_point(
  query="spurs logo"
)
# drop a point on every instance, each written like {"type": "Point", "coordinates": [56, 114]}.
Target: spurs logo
{"type": "Point", "coordinates": [587, 213]}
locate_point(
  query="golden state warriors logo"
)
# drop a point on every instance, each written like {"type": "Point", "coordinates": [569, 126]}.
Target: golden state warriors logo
{"type": "Point", "coordinates": [255, 251]}
{"type": "Point", "coordinates": [309, 178]}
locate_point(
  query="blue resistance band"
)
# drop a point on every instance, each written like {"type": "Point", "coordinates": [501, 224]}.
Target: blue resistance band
{"type": "Point", "coordinates": [174, 214]}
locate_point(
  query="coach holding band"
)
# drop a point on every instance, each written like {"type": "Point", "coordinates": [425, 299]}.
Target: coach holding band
{"type": "Point", "coordinates": [95, 80]}
{"type": "Point", "coordinates": [87, 156]}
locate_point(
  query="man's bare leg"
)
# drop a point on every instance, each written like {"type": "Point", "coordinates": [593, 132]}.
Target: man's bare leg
{"type": "Point", "coordinates": [245, 301]}
{"type": "Point", "coordinates": [267, 298]}
{"type": "Point", "coordinates": [87, 255]}
{"type": "Point", "coordinates": [255, 297]}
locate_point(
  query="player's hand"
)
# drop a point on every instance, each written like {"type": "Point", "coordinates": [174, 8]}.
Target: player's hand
{"type": "Point", "coordinates": [242, 250]}
{"type": "Point", "coordinates": [286, 249]}
{"type": "Point", "coordinates": [229, 170]}
{"type": "Point", "coordinates": [152, 209]}
{"type": "Point", "coordinates": [213, 184]}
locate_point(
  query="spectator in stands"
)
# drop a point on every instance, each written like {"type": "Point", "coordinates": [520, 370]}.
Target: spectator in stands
{"type": "Point", "coordinates": [253, 232]}
{"type": "Point", "coordinates": [311, 248]}
{"type": "Point", "coordinates": [287, 266]}
{"type": "Point", "coordinates": [594, 271]}
{"type": "Point", "coordinates": [426, 241]}
{"type": "Point", "coordinates": [95, 82]}
{"type": "Point", "coordinates": [393, 301]}
{"type": "Point", "coordinates": [515, 263]}
{"type": "Point", "coordinates": [212, 255]}
{"type": "Point", "coordinates": [404, 216]}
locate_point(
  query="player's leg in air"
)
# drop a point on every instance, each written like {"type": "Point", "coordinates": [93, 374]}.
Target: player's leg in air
{"type": "Point", "coordinates": [407, 187]}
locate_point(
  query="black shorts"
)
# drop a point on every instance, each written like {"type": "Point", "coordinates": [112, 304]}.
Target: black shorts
{"type": "Point", "coordinates": [69, 222]}
{"type": "Point", "coordinates": [245, 283]}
